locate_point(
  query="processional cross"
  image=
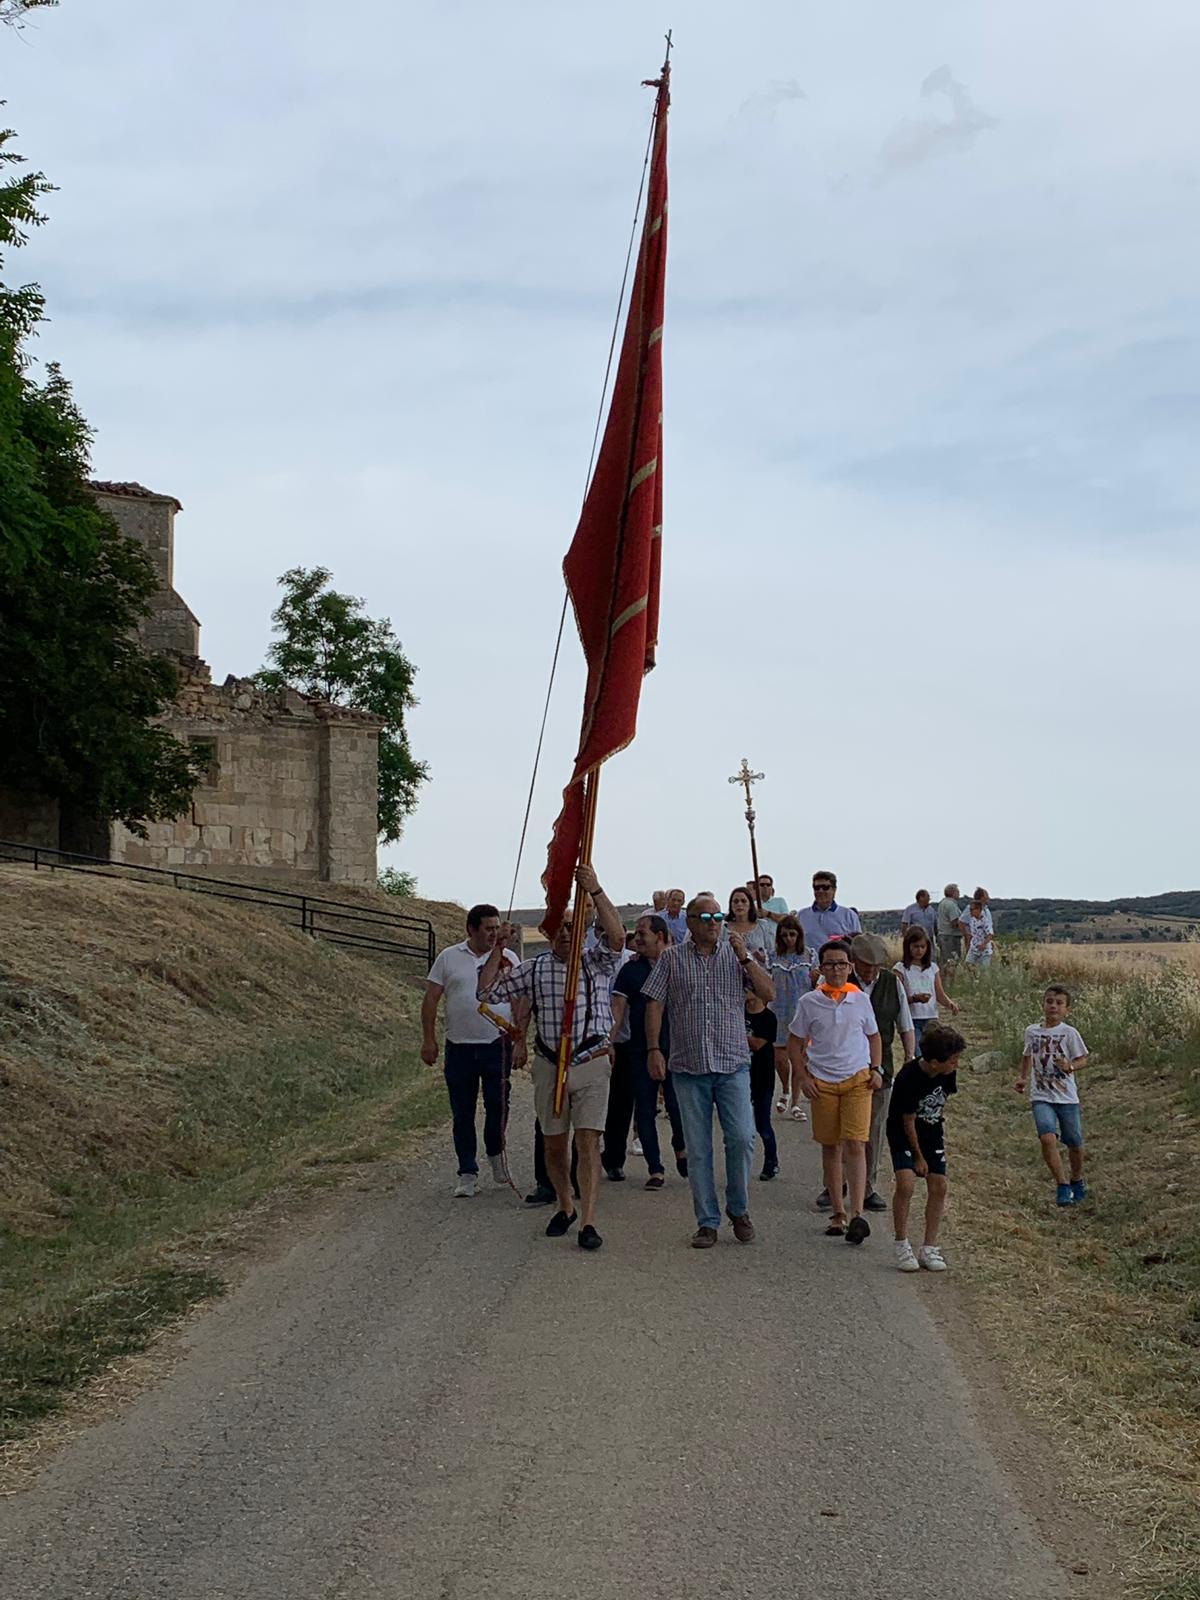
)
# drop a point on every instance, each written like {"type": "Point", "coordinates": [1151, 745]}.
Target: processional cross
{"type": "Point", "coordinates": [748, 779]}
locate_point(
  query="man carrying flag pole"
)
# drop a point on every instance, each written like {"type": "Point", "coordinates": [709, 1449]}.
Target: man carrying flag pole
{"type": "Point", "coordinates": [543, 981]}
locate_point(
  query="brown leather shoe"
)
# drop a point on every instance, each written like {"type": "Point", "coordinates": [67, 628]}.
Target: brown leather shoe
{"type": "Point", "coordinates": [743, 1228]}
{"type": "Point", "coordinates": [704, 1238]}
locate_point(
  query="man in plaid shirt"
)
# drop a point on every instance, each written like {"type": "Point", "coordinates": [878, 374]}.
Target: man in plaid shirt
{"type": "Point", "coordinates": [703, 985]}
{"type": "Point", "coordinates": [543, 983]}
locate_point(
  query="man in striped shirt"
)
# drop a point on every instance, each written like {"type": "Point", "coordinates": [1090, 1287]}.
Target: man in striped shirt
{"type": "Point", "coordinates": [703, 983]}
{"type": "Point", "coordinates": [542, 981]}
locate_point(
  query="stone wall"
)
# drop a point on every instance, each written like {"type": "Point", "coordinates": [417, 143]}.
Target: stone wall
{"type": "Point", "coordinates": [149, 520]}
{"type": "Point", "coordinates": [28, 818]}
{"type": "Point", "coordinates": [349, 795]}
{"type": "Point", "coordinates": [290, 787]}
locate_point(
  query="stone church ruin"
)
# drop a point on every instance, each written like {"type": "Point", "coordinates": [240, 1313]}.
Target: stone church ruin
{"type": "Point", "coordinates": [290, 785]}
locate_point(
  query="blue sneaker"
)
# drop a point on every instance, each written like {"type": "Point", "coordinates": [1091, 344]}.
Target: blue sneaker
{"type": "Point", "coordinates": [1066, 1195]}
{"type": "Point", "coordinates": [1079, 1190]}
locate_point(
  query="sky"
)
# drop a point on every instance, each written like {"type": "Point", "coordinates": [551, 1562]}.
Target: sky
{"type": "Point", "coordinates": [343, 281]}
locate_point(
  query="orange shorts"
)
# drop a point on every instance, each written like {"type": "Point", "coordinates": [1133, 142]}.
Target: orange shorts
{"type": "Point", "coordinates": [843, 1110]}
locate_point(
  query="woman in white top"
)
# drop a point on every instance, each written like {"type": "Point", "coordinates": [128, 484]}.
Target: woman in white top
{"type": "Point", "coordinates": [742, 917]}
{"type": "Point", "coordinates": [791, 969]}
{"type": "Point", "coordinates": [918, 972]}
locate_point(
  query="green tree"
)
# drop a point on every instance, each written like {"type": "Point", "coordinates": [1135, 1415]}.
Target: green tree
{"type": "Point", "coordinates": [14, 12]}
{"type": "Point", "coordinates": [329, 648]}
{"type": "Point", "coordinates": [76, 692]}
{"type": "Point", "coordinates": [392, 880]}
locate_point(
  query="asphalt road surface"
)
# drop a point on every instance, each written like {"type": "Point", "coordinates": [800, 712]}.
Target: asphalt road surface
{"type": "Point", "coordinates": [426, 1399]}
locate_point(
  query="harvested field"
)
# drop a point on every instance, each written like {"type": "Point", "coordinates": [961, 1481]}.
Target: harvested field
{"type": "Point", "coordinates": [1095, 1311]}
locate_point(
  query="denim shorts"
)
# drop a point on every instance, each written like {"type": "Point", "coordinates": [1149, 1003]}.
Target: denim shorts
{"type": "Point", "coordinates": [1051, 1117]}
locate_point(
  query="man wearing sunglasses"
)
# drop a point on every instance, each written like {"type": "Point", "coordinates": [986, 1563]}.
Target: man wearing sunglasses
{"type": "Point", "coordinates": [703, 983]}
{"type": "Point", "coordinates": [774, 906]}
{"type": "Point", "coordinates": [825, 919]}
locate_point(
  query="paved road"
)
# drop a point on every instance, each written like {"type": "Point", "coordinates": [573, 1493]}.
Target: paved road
{"type": "Point", "coordinates": [425, 1399]}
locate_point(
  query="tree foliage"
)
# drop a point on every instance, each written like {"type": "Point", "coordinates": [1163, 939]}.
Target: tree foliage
{"type": "Point", "coordinates": [76, 691]}
{"type": "Point", "coordinates": [393, 880]}
{"type": "Point", "coordinates": [15, 12]}
{"type": "Point", "coordinates": [328, 647]}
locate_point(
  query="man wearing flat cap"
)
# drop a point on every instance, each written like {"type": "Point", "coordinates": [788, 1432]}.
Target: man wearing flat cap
{"type": "Point", "coordinates": [873, 975]}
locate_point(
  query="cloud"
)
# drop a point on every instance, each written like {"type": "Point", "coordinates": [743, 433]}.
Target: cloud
{"type": "Point", "coordinates": [764, 104]}
{"type": "Point", "coordinates": [917, 140]}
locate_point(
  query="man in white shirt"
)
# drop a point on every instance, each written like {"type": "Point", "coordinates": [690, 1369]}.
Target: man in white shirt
{"type": "Point", "coordinates": [476, 1048]}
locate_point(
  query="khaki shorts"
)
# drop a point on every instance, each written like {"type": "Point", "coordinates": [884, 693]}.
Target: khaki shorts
{"type": "Point", "coordinates": [586, 1102]}
{"type": "Point", "coordinates": [842, 1110]}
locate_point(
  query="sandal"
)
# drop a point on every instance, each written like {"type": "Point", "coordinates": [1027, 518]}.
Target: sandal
{"type": "Point", "coordinates": [799, 1114]}
{"type": "Point", "coordinates": [781, 1106]}
{"type": "Point", "coordinates": [835, 1230]}
{"type": "Point", "coordinates": [655, 1181]}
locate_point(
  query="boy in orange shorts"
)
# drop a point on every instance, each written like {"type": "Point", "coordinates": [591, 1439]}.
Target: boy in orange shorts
{"type": "Point", "coordinates": [835, 1051]}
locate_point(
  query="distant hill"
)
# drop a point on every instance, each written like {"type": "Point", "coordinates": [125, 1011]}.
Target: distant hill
{"type": "Point", "coordinates": [1160, 918]}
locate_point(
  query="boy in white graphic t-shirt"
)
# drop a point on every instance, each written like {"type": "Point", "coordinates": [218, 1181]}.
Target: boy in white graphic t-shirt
{"type": "Point", "coordinates": [1053, 1053]}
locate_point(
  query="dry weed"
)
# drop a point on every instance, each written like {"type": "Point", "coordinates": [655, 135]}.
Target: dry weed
{"type": "Point", "coordinates": [1094, 1309]}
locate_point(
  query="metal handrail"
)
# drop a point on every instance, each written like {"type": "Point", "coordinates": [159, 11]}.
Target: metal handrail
{"type": "Point", "coordinates": [311, 908]}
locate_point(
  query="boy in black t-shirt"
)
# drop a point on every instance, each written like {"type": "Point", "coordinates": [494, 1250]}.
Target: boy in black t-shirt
{"type": "Point", "coordinates": [762, 1027]}
{"type": "Point", "coordinates": [916, 1136]}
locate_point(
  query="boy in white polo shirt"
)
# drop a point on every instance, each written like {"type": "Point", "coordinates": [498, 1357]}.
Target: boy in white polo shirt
{"type": "Point", "coordinates": [476, 1050]}
{"type": "Point", "coordinates": [835, 1049]}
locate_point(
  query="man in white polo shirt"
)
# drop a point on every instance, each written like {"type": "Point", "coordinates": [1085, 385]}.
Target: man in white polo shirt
{"type": "Point", "coordinates": [476, 1049]}
{"type": "Point", "coordinates": [835, 1050]}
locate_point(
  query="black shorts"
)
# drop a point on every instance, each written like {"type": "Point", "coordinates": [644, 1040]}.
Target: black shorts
{"type": "Point", "coordinates": [931, 1136]}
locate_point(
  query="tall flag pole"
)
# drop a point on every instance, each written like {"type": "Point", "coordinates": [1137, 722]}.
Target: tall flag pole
{"type": "Point", "coordinates": [612, 568]}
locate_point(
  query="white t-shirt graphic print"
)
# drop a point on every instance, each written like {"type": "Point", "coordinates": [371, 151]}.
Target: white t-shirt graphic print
{"type": "Point", "coordinates": [1048, 1049]}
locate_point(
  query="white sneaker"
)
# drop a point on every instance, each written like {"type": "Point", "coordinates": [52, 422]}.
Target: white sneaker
{"type": "Point", "coordinates": [464, 1189]}
{"type": "Point", "coordinates": [931, 1258]}
{"type": "Point", "coordinates": [498, 1169]}
{"type": "Point", "coordinates": [905, 1260]}
{"type": "Point", "coordinates": [637, 1147]}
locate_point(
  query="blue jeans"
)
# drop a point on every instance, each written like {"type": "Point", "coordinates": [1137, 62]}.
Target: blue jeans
{"type": "Point", "coordinates": [728, 1093]}
{"type": "Point", "coordinates": [467, 1067]}
{"type": "Point", "coordinates": [920, 1024]}
{"type": "Point", "coordinates": [1049, 1116]}
{"type": "Point", "coordinates": [633, 1093]}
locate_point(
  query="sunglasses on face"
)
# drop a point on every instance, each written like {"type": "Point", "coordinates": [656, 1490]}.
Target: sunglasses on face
{"type": "Point", "coordinates": [709, 916]}
{"type": "Point", "coordinates": [833, 966]}
{"type": "Point", "coordinates": [817, 887]}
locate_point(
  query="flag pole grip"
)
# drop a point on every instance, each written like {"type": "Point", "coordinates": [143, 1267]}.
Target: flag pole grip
{"type": "Point", "coordinates": [591, 785]}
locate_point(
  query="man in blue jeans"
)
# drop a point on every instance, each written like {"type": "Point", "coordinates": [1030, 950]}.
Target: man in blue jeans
{"type": "Point", "coordinates": [703, 985]}
{"type": "Point", "coordinates": [477, 1053]}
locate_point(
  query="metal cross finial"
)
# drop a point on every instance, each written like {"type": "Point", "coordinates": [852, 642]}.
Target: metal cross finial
{"type": "Point", "coordinates": [747, 778]}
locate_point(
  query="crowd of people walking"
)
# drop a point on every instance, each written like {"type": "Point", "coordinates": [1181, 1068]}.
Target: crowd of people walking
{"type": "Point", "coordinates": [735, 1015]}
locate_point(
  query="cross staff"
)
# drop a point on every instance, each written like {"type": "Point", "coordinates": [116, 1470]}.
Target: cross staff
{"type": "Point", "coordinates": [747, 779]}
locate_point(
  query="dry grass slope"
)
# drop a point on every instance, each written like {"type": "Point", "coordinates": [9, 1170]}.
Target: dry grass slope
{"type": "Point", "coordinates": [165, 1060]}
{"type": "Point", "coordinates": [1097, 1311]}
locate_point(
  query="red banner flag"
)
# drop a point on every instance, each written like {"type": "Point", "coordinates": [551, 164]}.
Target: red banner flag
{"type": "Point", "coordinates": [612, 567]}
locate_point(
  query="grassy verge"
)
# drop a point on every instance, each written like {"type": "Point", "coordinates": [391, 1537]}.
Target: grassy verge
{"type": "Point", "coordinates": [1096, 1311]}
{"type": "Point", "coordinates": [164, 1067]}
{"type": "Point", "coordinates": [131, 1256]}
